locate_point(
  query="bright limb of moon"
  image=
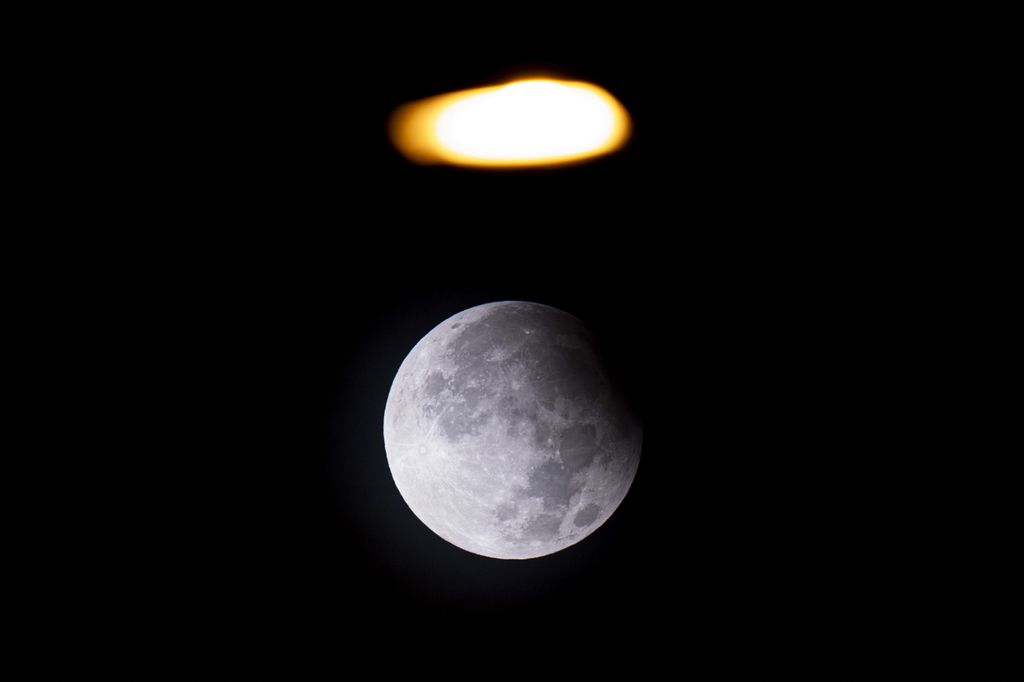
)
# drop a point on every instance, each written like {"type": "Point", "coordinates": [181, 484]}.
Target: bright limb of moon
{"type": "Point", "coordinates": [530, 122]}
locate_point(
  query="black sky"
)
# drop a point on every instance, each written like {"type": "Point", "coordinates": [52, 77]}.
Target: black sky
{"type": "Point", "coordinates": [256, 261]}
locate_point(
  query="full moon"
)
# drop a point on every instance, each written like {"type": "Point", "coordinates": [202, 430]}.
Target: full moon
{"type": "Point", "coordinates": [505, 433]}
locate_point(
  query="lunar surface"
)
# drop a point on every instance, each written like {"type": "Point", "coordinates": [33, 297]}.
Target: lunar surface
{"type": "Point", "coordinates": [505, 434]}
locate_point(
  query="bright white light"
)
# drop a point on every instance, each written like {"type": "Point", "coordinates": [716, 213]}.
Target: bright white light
{"type": "Point", "coordinates": [528, 120]}
{"type": "Point", "coordinates": [531, 122]}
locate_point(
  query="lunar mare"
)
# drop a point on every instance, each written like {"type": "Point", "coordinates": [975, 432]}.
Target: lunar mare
{"type": "Point", "coordinates": [505, 434]}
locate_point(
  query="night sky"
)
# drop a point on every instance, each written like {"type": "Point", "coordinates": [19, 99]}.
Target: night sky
{"type": "Point", "coordinates": [257, 260]}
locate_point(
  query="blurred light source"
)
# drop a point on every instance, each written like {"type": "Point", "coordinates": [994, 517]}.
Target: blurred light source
{"type": "Point", "coordinates": [524, 123]}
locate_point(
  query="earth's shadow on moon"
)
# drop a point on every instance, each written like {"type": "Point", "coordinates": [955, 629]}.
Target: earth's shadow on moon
{"type": "Point", "coordinates": [394, 540]}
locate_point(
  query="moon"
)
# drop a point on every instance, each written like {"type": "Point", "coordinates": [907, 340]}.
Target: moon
{"type": "Point", "coordinates": [505, 433]}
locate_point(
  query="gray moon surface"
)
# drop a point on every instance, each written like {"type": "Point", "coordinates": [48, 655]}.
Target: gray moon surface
{"type": "Point", "coordinates": [505, 433]}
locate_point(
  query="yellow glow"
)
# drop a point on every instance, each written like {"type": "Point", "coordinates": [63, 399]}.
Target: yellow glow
{"type": "Point", "coordinates": [525, 123]}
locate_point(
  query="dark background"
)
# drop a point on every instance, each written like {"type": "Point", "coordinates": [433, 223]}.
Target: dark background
{"type": "Point", "coordinates": [252, 261]}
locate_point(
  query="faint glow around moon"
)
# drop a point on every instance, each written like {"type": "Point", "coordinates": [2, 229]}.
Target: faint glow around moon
{"type": "Point", "coordinates": [532, 122]}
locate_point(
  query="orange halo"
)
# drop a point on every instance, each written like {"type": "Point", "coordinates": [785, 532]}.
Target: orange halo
{"type": "Point", "coordinates": [531, 122]}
